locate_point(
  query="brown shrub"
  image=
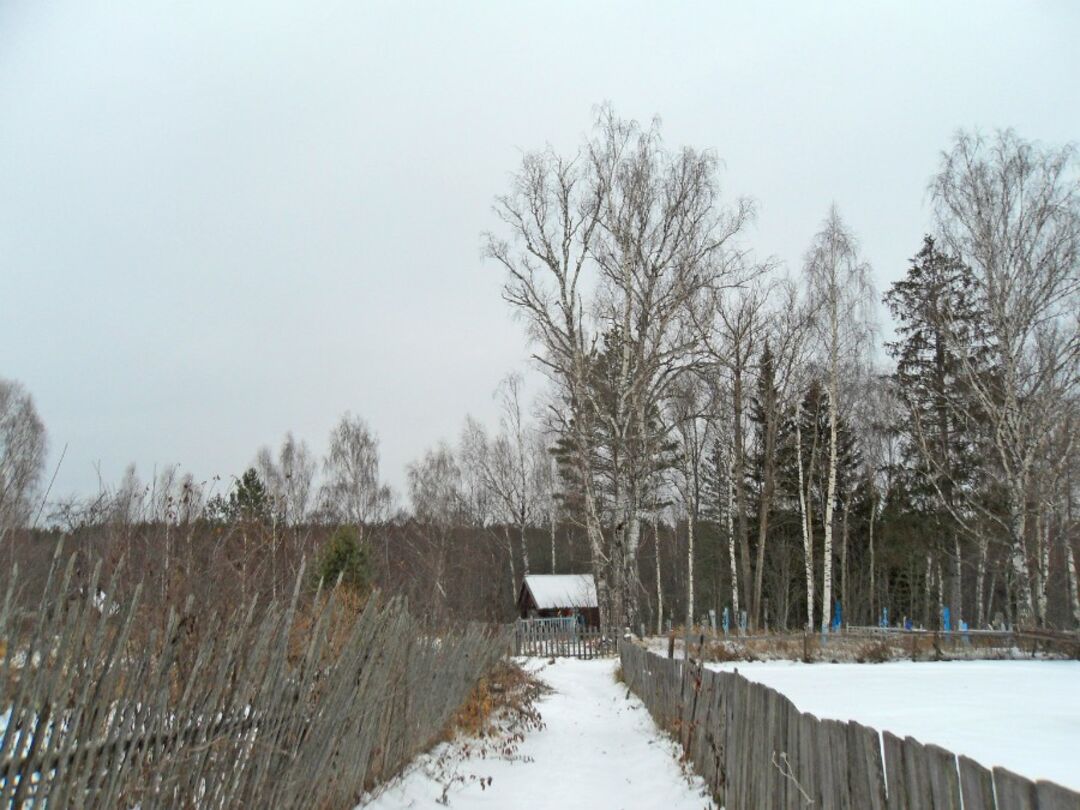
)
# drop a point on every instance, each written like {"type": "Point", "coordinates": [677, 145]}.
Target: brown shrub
{"type": "Point", "coordinates": [508, 692]}
{"type": "Point", "coordinates": [874, 652]}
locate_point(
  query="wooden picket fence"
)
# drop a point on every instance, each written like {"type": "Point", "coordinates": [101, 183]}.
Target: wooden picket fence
{"type": "Point", "coordinates": [266, 706]}
{"type": "Point", "coordinates": [756, 750]}
{"type": "Point", "coordinates": [561, 638]}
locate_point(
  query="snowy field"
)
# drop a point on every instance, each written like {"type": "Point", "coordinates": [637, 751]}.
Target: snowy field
{"type": "Point", "coordinates": [1024, 715]}
{"type": "Point", "coordinates": [598, 750]}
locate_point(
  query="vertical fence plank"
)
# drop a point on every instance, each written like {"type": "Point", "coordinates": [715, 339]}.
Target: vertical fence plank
{"type": "Point", "coordinates": [916, 774]}
{"type": "Point", "coordinates": [755, 749]}
{"type": "Point", "coordinates": [976, 785]}
{"type": "Point", "coordinates": [895, 778]}
{"type": "Point", "coordinates": [837, 732]}
{"type": "Point", "coordinates": [778, 788]}
{"type": "Point", "coordinates": [1013, 791]}
{"type": "Point", "coordinates": [944, 779]}
{"type": "Point", "coordinates": [793, 761]}
{"type": "Point", "coordinates": [1055, 797]}
{"type": "Point", "coordinates": [866, 772]}
{"type": "Point", "coordinates": [809, 771]}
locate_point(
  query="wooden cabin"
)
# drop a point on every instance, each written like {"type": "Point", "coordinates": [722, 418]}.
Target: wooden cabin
{"type": "Point", "coordinates": [551, 596]}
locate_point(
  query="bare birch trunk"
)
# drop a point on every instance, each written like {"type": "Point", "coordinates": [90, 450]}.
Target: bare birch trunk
{"type": "Point", "coordinates": [844, 559]}
{"type": "Point", "coordinates": [1074, 583]}
{"type": "Point", "coordinates": [1042, 531]}
{"type": "Point", "coordinates": [873, 563]}
{"type": "Point", "coordinates": [510, 557]}
{"type": "Point", "coordinates": [553, 527]}
{"type": "Point", "coordinates": [690, 568]}
{"type": "Point", "coordinates": [524, 549]}
{"type": "Point", "coordinates": [940, 593]}
{"type": "Point", "coordinates": [631, 580]}
{"type": "Point", "coordinates": [731, 540]}
{"type": "Point", "coordinates": [928, 588]}
{"type": "Point", "coordinates": [808, 544]}
{"type": "Point", "coordinates": [980, 584]}
{"type": "Point", "coordinates": [740, 483]}
{"type": "Point", "coordinates": [595, 536]}
{"type": "Point", "coordinates": [830, 497]}
{"type": "Point", "coordinates": [1025, 606]}
{"type": "Point", "coordinates": [768, 487]}
{"type": "Point", "coordinates": [659, 584]}
{"type": "Point", "coordinates": [958, 590]}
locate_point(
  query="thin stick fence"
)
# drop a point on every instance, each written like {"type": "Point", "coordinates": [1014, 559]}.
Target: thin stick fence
{"type": "Point", "coordinates": [561, 638]}
{"type": "Point", "coordinates": [915, 644]}
{"type": "Point", "coordinates": [271, 707]}
{"type": "Point", "coordinates": [756, 750]}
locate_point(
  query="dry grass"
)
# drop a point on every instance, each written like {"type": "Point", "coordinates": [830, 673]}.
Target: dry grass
{"type": "Point", "coordinates": [861, 647]}
{"type": "Point", "coordinates": [508, 693]}
{"type": "Point", "coordinates": [874, 652]}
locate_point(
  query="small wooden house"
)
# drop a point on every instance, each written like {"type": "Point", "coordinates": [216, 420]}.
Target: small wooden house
{"type": "Point", "coordinates": [550, 596]}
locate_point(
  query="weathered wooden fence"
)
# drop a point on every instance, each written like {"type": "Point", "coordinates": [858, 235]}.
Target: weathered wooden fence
{"type": "Point", "coordinates": [561, 638]}
{"type": "Point", "coordinates": [270, 707]}
{"type": "Point", "coordinates": [756, 750]}
{"type": "Point", "coordinates": [894, 642]}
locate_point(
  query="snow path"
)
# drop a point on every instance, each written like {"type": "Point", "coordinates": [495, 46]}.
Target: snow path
{"type": "Point", "coordinates": [1024, 715]}
{"type": "Point", "coordinates": [599, 750]}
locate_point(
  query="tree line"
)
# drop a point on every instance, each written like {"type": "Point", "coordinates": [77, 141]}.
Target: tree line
{"type": "Point", "coordinates": [717, 432]}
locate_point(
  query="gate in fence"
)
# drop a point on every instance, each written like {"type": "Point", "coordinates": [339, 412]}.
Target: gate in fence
{"type": "Point", "coordinates": [562, 638]}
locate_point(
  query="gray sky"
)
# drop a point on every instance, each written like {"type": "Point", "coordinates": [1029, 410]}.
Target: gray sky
{"type": "Point", "coordinates": [220, 221]}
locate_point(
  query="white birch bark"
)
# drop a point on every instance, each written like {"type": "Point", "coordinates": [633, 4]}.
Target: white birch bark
{"type": "Point", "coordinates": [690, 568]}
{"type": "Point", "coordinates": [731, 538]}
{"type": "Point", "coordinates": [1074, 582]}
{"type": "Point", "coordinates": [980, 583]}
{"type": "Point", "coordinates": [808, 540]}
{"type": "Point", "coordinates": [659, 583]}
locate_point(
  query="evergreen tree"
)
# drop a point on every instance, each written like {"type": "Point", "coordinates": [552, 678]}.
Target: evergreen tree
{"type": "Point", "coordinates": [249, 501]}
{"type": "Point", "coordinates": [346, 557]}
{"type": "Point", "coordinates": [938, 315]}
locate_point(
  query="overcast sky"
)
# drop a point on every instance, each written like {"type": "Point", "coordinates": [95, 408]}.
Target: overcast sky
{"type": "Point", "coordinates": [220, 221]}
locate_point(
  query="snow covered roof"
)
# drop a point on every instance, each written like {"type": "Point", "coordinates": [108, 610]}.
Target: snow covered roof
{"type": "Point", "coordinates": [562, 590]}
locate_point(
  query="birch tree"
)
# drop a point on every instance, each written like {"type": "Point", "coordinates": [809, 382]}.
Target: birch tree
{"type": "Point", "coordinates": [297, 468]}
{"type": "Point", "coordinates": [689, 412]}
{"type": "Point", "coordinates": [22, 455]}
{"type": "Point", "coordinates": [435, 489]}
{"type": "Point", "coordinates": [733, 347]}
{"type": "Point", "coordinates": [553, 215]}
{"type": "Point", "coordinates": [839, 283]}
{"type": "Point", "coordinates": [643, 227]}
{"type": "Point", "coordinates": [782, 359]}
{"type": "Point", "coordinates": [667, 245]}
{"type": "Point", "coordinates": [353, 490]}
{"type": "Point", "coordinates": [1010, 210]}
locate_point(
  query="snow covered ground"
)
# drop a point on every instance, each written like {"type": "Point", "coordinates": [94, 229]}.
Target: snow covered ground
{"type": "Point", "coordinates": [598, 750]}
{"type": "Point", "coordinates": [1024, 715]}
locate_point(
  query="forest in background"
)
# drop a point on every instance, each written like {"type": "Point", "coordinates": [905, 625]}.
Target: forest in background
{"type": "Point", "coordinates": [717, 431]}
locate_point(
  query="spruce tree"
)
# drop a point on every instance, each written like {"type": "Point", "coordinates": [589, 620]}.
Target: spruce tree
{"type": "Point", "coordinates": [938, 316]}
